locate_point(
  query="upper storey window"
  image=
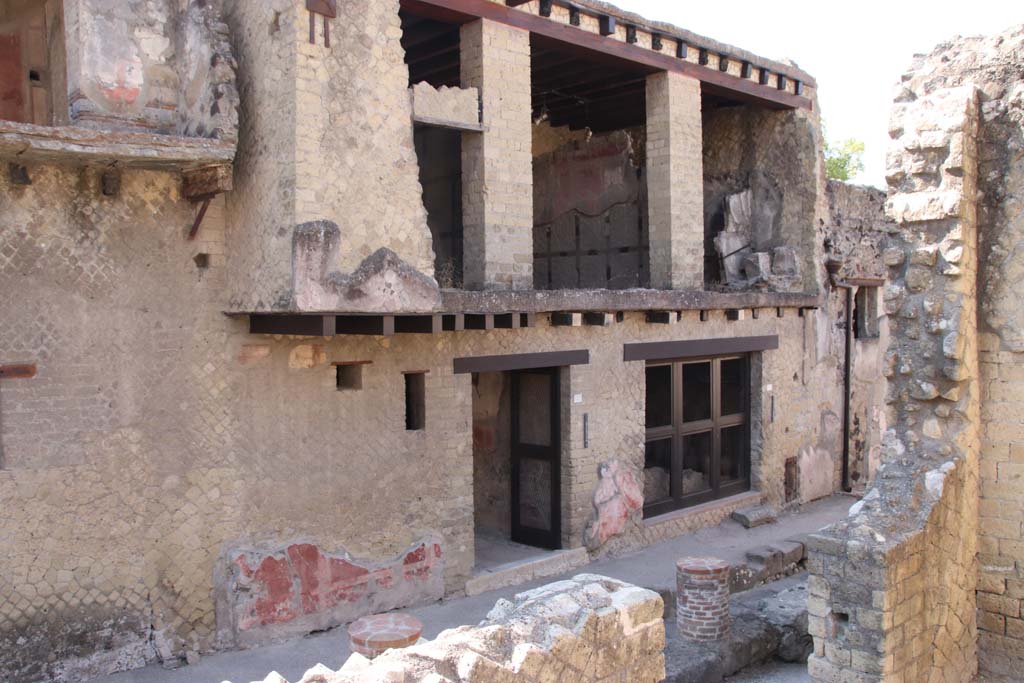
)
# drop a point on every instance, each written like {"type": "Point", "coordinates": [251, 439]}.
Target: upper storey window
{"type": "Point", "coordinates": [32, 62]}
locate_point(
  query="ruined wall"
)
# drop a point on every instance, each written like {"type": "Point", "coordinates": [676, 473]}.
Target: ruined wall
{"type": "Point", "coordinates": [589, 628]}
{"type": "Point", "coordinates": [908, 549]}
{"type": "Point", "coordinates": [326, 136]}
{"type": "Point", "coordinates": [994, 65]}
{"type": "Point", "coordinates": [590, 213]}
{"type": "Point", "coordinates": [775, 155]}
{"type": "Point", "coordinates": [159, 66]}
{"type": "Point", "coordinates": [856, 235]}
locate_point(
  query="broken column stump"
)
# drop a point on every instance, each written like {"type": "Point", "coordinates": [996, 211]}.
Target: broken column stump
{"type": "Point", "coordinates": [702, 599]}
{"type": "Point", "coordinates": [377, 633]}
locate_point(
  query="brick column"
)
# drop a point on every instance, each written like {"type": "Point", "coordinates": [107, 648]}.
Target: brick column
{"type": "Point", "coordinates": [497, 165]}
{"type": "Point", "coordinates": [702, 599]}
{"type": "Point", "coordinates": [675, 181]}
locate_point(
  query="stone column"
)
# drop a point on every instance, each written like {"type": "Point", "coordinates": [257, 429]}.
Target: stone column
{"type": "Point", "coordinates": [497, 165]}
{"type": "Point", "coordinates": [702, 599]}
{"type": "Point", "coordinates": [675, 181]}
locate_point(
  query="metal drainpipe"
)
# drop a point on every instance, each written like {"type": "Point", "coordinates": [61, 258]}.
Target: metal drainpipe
{"type": "Point", "coordinates": [846, 389]}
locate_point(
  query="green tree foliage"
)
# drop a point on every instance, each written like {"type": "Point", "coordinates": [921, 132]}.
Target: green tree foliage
{"type": "Point", "coordinates": [845, 159]}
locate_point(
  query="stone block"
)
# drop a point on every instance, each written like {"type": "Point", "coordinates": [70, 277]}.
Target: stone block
{"type": "Point", "coordinates": [754, 516]}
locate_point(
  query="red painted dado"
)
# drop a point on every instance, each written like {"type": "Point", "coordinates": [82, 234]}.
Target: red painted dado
{"type": "Point", "coordinates": [303, 585]}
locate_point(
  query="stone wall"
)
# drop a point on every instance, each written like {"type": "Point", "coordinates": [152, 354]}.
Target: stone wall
{"type": "Point", "coordinates": [587, 629]}
{"type": "Point", "coordinates": [908, 549]}
{"type": "Point", "coordinates": [174, 441]}
{"type": "Point", "coordinates": [314, 115]}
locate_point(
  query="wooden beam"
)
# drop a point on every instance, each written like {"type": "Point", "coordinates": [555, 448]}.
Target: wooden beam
{"type": "Point", "coordinates": [18, 371]}
{"type": "Point", "coordinates": [527, 320]}
{"type": "Point", "coordinates": [584, 41]}
{"type": "Point", "coordinates": [299, 325]}
{"type": "Point", "coordinates": [523, 361]}
{"type": "Point", "coordinates": [606, 24]}
{"type": "Point", "coordinates": [692, 348]}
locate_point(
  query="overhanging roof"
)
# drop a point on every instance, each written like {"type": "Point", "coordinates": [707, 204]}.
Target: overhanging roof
{"type": "Point", "coordinates": [602, 29]}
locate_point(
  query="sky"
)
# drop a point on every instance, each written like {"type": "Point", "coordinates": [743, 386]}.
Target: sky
{"type": "Point", "coordinates": [856, 50]}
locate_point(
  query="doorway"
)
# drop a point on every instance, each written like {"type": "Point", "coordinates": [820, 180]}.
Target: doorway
{"type": "Point", "coordinates": [516, 465]}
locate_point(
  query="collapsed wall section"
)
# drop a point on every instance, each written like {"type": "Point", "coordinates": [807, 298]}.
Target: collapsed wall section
{"type": "Point", "coordinates": [892, 591]}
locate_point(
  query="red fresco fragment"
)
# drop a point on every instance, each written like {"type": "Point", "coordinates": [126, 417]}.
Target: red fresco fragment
{"type": "Point", "coordinates": [305, 580]}
{"type": "Point", "coordinates": [325, 581]}
{"type": "Point", "coordinates": [273, 603]}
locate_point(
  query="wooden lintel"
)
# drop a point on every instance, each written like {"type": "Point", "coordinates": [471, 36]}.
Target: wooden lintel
{"type": "Point", "coordinates": [418, 324]}
{"type": "Point", "coordinates": [18, 371]}
{"type": "Point", "coordinates": [662, 317]}
{"type": "Point", "coordinates": [566, 319]}
{"type": "Point", "coordinates": [692, 348]}
{"type": "Point", "coordinates": [521, 361]}
{"type": "Point", "coordinates": [606, 24]}
{"type": "Point", "coordinates": [293, 324]}
{"type": "Point", "coordinates": [733, 314]}
{"type": "Point", "coordinates": [375, 325]}
{"type": "Point", "coordinates": [352, 362]}
{"type": "Point", "coordinates": [479, 321]}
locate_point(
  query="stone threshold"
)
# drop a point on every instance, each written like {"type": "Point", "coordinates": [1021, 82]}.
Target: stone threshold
{"type": "Point", "coordinates": [732, 502]}
{"type": "Point", "coordinates": [551, 563]}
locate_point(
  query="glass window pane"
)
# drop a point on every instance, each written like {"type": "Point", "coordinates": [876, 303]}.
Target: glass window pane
{"type": "Point", "coordinates": [734, 453]}
{"type": "Point", "coordinates": [535, 409]}
{"type": "Point", "coordinates": [696, 461]}
{"type": "Point", "coordinates": [657, 470]}
{"type": "Point", "coordinates": [696, 392]}
{"type": "Point", "coordinates": [535, 494]}
{"type": "Point", "coordinates": [659, 396]}
{"type": "Point", "coordinates": [733, 372]}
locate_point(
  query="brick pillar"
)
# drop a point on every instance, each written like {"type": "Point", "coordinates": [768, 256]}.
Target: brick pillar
{"type": "Point", "coordinates": [702, 599]}
{"type": "Point", "coordinates": [675, 181]}
{"type": "Point", "coordinates": [497, 165]}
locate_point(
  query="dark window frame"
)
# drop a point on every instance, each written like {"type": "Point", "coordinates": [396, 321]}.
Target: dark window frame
{"type": "Point", "coordinates": [678, 430]}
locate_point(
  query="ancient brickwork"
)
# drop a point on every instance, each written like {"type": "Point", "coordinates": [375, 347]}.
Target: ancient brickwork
{"type": "Point", "coordinates": [892, 591]}
{"type": "Point", "coordinates": [674, 181]}
{"type": "Point", "coordinates": [294, 151]}
{"type": "Point", "coordinates": [497, 165]}
{"type": "Point", "coordinates": [584, 630]}
{"type": "Point", "coordinates": [157, 66]}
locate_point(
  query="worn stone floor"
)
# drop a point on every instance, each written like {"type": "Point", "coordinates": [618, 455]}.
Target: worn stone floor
{"type": "Point", "coordinates": [653, 567]}
{"type": "Point", "coordinates": [493, 550]}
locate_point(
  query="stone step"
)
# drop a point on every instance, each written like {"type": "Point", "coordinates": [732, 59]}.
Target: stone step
{"type": "Point", "coordinates": [754, 516]}
{"type": "Point", "coordinates": [514, 573]}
